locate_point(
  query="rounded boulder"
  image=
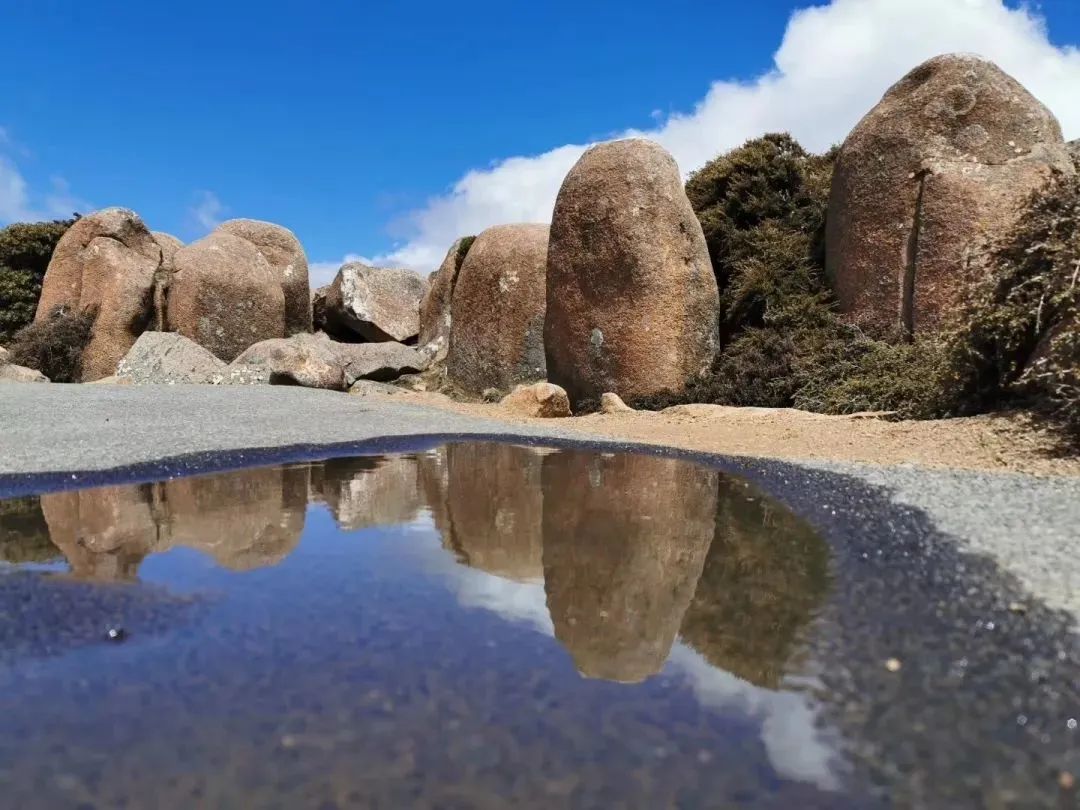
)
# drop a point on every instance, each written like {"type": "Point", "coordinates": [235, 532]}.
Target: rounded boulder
{"type": "Point", "coordinates": [924, 185]}
{"type": "Point", "coordinates": [283, 251]}
{"type": "Point", "coordinates": [106, 262]}
{"type": "Point", "coordinates": [632, 303]}
{"type": "Point", "coordinates": [497, 310]}
{"type": "Point", "coordinates": [225, 296]}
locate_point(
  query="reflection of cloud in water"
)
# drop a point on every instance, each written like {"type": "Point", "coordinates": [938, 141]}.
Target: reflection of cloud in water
{"type": "Point", "coordinates": [788, 730]}
{"type": "Point", "coordinates": [788, 733]}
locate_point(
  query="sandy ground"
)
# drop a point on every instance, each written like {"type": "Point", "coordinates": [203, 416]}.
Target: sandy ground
{"type": "Point", "coordinates": [988, 443]}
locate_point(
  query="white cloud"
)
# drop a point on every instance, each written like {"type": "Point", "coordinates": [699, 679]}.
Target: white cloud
{"type": "Point", "coordinates": [208, 212]}
{"type": "Point", "coordinates": [834, 63]}
{"type": "Point", "coordinates": [18, 202]}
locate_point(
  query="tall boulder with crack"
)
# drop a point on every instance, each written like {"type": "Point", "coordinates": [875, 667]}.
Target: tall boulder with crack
{"type": "Point", "coordinates": [107, 263]}
{"type": "Point", "coordinates": [923, 186]}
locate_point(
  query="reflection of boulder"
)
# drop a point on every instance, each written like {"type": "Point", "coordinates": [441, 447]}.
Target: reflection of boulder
{"type": "Point", "coordinates": [625, 537]}
{"type": "Point", "coordinates": [368, 490]}
{"type": "Point", "coordinates": [488, 503]}
{"type": "Point", "coordinates": [765, 575]}
{"type": "Point", "coordinates": [245, 519]}
{"type": "Point", "coordinates": [24, 534]}
{"type": "Point", "coordinates": [105, 532]}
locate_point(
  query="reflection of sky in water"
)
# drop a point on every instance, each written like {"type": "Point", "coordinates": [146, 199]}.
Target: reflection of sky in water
{"type": "Point", "coordinates": [789, 734]}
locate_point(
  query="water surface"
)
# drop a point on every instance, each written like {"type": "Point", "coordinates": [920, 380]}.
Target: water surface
{"type": "Point", "coordinates": [475, 626]}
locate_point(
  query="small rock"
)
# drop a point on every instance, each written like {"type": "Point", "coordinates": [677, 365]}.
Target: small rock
{"type": "Point", "coordinates": [363, 388]}
{"type": "Point", "coordinates": [165, 358]}
{"type": "Point", "coordinates": [612, 403]}
{"type": "Point", "coordinates": [11, 373]}
{"type": "Point", "coordinates": [893, 665]}
{"type": "Point", "coordinates": [1017, 607]}
{"type": "Point", "coordinates": [116, 634]}
{"type": "Point", "coordinates": [1066, 781]}
{"type": "Point", "coordinates": [542, 400]}
{"type": "Point", "coordinates": [491, 395]}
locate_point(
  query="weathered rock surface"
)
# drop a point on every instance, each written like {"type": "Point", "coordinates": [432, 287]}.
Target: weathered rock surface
{"type": "Point", "coordinates": [435, 312]}
{"type": "Point", "coordinates": [105, 532]}
{"type": "Point", "coordinates": [487, 503]}
{"type": "Point", "coordinates": [375, 303]}
{"type": "Point", "coordinates": [612, 403]}
{"type": "Point", "coordinates": [540, 399]}
{"type": "Point", "coordinates": [368, 490]}
{"type": "Point", "coordinates": [1074, 152]}
{"type": "Point", "coordinates": [632, 303]}
{"type": "Point", "coordinates": [166, 358]}
{"type": "Point", "coordinates": [107, 263]}
{"type": "Point", "coordinates": [245, 520]}
{"type": "Point", "coordinates": [3, 355]}
{"type": "Point", "coordinates": [307, 360]}
{"type": "Point", "coordinates": [625, 539]}
{"type": "Point", "coordinates": [365, 388]}
{"type": "Point", "coordinates": [11, 373]}
{"type": "Point", "coordinates": [225, 296]}
{"type": "Point", "coordinates": [497, 312]}
{"type": "Point", "coordinates": [925, 183]}
{"type": "Point", "coordinates": [316, 361]}
{"type": "Point", "coordinates": [284, 253]}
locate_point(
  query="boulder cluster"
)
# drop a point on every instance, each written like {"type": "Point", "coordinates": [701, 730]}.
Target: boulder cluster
{"type": "Point", "coordinates": [616, 300]}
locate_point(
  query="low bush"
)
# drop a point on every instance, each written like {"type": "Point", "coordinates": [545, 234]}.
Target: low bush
{"type": "Point", "coordinates": [25, 250]}
{"type": "Point", "coordinates": [54, 346]}
{"type": "Point", "coordinates": [1020, 340]}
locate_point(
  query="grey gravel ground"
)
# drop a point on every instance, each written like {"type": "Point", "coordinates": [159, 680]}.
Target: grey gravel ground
{"type": "Point", "coordinates": [1027, 524]}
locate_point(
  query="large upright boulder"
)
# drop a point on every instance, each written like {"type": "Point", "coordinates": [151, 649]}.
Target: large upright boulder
{"type": "Point", "coordinates": [225, 295]}
{"type": "Point", "coordinates": [285, 255]}
{"type": "Point", "coordinates": [374, 303]}
{"type": "Point", "coordinates": [925, 183]}
{"type": "Point", "coordinates": [497, 312]}
{"type": "Point", "coordinates": [435, 306]}
{"type": "Point", "coordinates": [107, 263]}
{"type": "Point", "coordinates": [632, 304]}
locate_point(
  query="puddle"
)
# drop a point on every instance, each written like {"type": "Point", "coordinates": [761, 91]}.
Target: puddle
{"type": "Point", "coordinates": [478, 625]}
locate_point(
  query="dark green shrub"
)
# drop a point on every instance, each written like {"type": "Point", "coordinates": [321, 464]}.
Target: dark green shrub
{"type": "Point", "coordinates": [1020, 343]}
{"type": "Point", "coordinates": [25, 250]}
{"type": "Point", "coordinates": [463, 248]}
{"type": "Point", "coordinates": [54, 346]}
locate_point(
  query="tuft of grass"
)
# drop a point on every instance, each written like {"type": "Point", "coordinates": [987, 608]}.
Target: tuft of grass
{"type": "Point", "coordinates": [55, 346]}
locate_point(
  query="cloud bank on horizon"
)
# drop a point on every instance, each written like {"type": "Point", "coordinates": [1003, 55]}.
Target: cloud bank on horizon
{"type": "Point", "coordinates": [834, 63]}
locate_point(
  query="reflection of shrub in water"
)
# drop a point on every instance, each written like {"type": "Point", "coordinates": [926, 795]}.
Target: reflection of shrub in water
{"type": "Point", "coordinates": [765, 575]}
{"type": "Point", "coordinates": [24, 535]}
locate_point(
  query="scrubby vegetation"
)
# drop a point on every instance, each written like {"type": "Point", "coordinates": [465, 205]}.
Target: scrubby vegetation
{"type": "Point", "coordinates": [54, 346]}
{"type": "Point", "coordinates": [762, 208]}
{"type": "Point", "coordinates": [1021, 340]}
{"type": "Point", "coordinates": [25, 250]}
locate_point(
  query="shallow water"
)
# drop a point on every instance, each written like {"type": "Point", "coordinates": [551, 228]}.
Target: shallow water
{"type": "Point", "coordinates": [477, 625]}
{"type": "Point", "coordinates": [472, 626]}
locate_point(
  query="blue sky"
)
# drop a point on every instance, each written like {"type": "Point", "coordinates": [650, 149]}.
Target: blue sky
{"type": "Point", "coordinates": [357, 124]}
